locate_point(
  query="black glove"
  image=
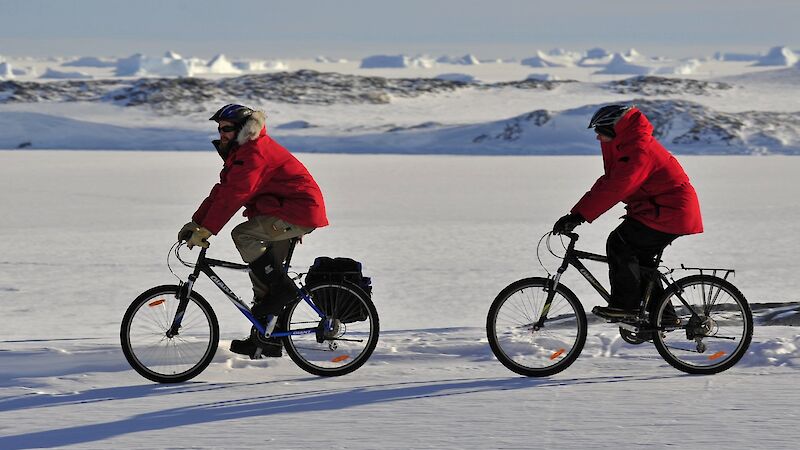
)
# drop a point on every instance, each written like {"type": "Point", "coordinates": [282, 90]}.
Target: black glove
{"type": "Point", "coordinates": [568, 223]}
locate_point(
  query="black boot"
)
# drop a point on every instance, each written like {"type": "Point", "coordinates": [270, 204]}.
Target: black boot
{"type": "Point", "coordinates": [256, 346]}
{"type": "Point", "coordinates": [250, 347]}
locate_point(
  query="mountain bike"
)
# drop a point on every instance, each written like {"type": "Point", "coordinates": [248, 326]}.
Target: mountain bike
{"type": "Point", "coordinates": [170, 333]}
{"type": "Point", "coordinates": [701, 324]}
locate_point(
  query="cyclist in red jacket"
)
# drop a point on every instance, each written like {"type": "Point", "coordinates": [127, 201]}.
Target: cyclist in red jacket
{"type": "Point", "coordinates": [281, 199]}
{"type": "Point", "coordinates": [661, 202]}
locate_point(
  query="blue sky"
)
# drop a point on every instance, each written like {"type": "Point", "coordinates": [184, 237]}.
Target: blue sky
{"type": "Point", "coordinates": [354, 28]}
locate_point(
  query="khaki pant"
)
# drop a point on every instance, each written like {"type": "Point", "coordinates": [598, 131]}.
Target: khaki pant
{"type": "Point", "coordinates": [254, 237]}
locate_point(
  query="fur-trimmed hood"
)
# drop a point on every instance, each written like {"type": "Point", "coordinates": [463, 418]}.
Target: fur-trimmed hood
{"type": "Point", "coordinates": [252, 127]}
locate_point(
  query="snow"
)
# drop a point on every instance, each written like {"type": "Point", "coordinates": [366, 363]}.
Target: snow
{"type": "Point", "coordinates": [466, 60]}
{"type": "Point", "coordinates": [633, 55]}
{"type": "Point", "coordinates": [687, 127]}
{"type": "Point", "coordinates": [543, 60]}
{"type": "Point", "coordinates": [329, 60]}
{"type": "Point", "coordinates": [542, 77]}
{"type": "Point", "coordinates": [62, 75]}
{"type": "Point", "coordinates": [84, 232]}
{"type": "Point", "coordinates": [597, 53]}
{"type": "Point", "coordinates": [396, 61]}
{"type": "Point", "coordinates": [621, 65]}
{"type": "Point", "coordinates": [440, 236]}
{"type": "Point", "coordinates": [142, 66]}
{"type": "Point", "coordinates": [220, 65]}
{"type": "Point", "coordinates": [295, 125]}
{"type": "Point", "coordinates": [6, 71]}
{"type": "Point", "coordinates": [728, 56]}
{"type": "Point", "coordinates": [382, 61]}
{"type": "Point", "coordinates": [454, 76]}
{"type": "Point", "coordinates": [174, 65]}
{"type": "Point", "coordinates": [260, 66]}
{"type": "Point", "coordinates": [90, 61]}
{"type": "Point", "coordinates": [687, 67]}
{"type": "Point", "coordinates": [778, 56]}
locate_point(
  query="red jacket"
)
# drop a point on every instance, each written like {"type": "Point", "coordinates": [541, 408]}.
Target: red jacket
{"type": "Point", "coordinates": [646, 177]}
{"type": "Point", "coordinates": [267, 180]}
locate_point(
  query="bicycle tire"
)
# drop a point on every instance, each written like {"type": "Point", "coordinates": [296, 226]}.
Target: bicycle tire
{"type": "Point", "coordinates": [160, 358]}
{"type": "Point", "coordinates": [720, 335]}
{"type": "Point", "coordinates": [529, 352]}
{"type": "Point", "coordinates": [342, 351]}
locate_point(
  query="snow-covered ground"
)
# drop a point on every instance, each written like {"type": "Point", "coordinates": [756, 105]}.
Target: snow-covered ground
{"type": "Point", "coordinates": [733, 104]}
{"type": "Point", "coordinates": [83, 233]}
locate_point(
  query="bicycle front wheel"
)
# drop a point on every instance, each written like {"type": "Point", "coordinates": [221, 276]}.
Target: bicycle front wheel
{"type": "Point", "coordinates": [348, 345]}
{"type": "Point", "coordinates": [526, 348]}
{"type": "Point", "coordinates": [711, 334]}
{"type": "Point", "coordinates": [157, 356]}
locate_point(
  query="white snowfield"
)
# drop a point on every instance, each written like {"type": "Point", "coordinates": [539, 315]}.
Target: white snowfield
{"type": "Point", "coordinates": [84, 233]}
{"type": "Point", "coordinates": [727, 104]}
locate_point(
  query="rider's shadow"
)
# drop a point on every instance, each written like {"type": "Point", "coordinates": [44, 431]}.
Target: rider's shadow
{"type": "Point", "coordinates": [317, 400]}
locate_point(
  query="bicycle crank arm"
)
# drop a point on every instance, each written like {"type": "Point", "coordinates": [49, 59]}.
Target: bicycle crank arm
{"type": "Point", "coordinates": [628, 327]}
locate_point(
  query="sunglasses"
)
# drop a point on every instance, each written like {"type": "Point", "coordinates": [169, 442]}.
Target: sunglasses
{"type": "Point", "coordinates": [226, 129]}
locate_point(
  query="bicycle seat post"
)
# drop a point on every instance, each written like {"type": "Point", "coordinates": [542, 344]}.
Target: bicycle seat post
{"type": "Point", "coordinates": [292, 245]}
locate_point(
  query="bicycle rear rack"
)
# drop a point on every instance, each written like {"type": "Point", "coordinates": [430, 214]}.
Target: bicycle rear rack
{"type": "Point", "coordinates": [715, 272]}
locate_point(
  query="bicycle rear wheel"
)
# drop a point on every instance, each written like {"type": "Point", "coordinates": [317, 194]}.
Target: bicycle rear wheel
{"type": "Point", "coordinates": [164, 359]}
{"type": "Point", "coordinates": [516, 341]}
{"type": "Point", "coordinates": [713, 335]}
{"type": "Point", "coordinates": [341, 350]}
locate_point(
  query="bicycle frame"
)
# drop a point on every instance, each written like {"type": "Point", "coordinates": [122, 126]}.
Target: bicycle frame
{"type": "Point", "coordinates": [204, 265]}
{"type": "Point", "coordinates": [573, 258]}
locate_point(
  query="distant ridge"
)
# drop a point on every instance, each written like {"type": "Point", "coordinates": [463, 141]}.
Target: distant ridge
{"type": "Point", "coordinates": [684, 127]}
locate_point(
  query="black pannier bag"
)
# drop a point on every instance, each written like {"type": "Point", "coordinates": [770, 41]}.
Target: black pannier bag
{"type": "Point", "coordinates": [348, 308]}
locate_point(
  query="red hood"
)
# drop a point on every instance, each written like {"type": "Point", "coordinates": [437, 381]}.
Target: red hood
{"type": "Point", "coordinates": [633, 125]}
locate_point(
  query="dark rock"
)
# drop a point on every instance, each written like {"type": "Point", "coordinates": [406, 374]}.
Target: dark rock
{"type": "Point", "coordinates": [651, 85]}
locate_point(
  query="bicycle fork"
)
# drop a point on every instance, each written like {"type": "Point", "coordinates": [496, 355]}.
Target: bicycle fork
{"type": "Point", "coordinates": [551, 293]}
{"type": "Point", "coordinates": [183, 302]}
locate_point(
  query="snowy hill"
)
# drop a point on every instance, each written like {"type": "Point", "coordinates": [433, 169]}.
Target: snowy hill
{"type": "Point", "coordinates": [470, 110]}
{"type": "Point", "coordinates": [685, 127]}
{"type": "Point", "coordinates": [302, 86]}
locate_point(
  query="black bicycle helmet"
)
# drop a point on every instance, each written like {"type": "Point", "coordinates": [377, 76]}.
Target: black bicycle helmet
{"type": "Point", "coordinates": [236, 114]}
{"type": "Point", "coordinates": [605, 118]}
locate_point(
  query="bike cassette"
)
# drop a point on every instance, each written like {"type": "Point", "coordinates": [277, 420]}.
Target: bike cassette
{"type": "Point", "coordinates": [324, 332]}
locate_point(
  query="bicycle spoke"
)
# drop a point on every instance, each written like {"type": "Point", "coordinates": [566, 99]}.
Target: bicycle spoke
{"type": "Point", "coordinates": [520, 344]}
{"type": "Point", "coordinates": [346, 345]}
{"type": "Point", "coordinates": [712, 339]}
{"type": "Point", "coordinates": [161, 358]}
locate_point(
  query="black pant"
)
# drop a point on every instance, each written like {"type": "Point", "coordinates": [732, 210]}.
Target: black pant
{"type": "Point", "coordinates": [630, 245]}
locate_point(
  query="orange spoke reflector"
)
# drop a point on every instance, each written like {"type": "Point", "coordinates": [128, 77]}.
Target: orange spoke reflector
{"type": "Point", "coordinates": [716, 355]}
{"type": "Point", "coordinates": [557, 354]}
{"type": "Point", "coordinates": [340, 358]}
{"type": "Point", "coordinates": [156, 303]}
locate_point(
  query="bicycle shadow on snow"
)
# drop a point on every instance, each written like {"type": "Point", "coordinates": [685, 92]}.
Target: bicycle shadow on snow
{"type": "Point", "coordinates": [267, 405]}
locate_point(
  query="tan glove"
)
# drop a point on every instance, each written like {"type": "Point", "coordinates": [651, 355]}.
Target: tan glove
{"type": "Point", "coordinates": [199, 238]}
{"type": "Point", "coordinates": [187, 230]}
{"type": "Point", "coordinates": [194, 234]}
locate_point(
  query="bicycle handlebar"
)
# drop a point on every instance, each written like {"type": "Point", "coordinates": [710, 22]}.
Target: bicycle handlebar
{"type": "Point", "coordinates": [571, 235]}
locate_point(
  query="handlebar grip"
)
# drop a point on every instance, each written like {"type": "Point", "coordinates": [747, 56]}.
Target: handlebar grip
{"type": "Point", "coordinates": [186, 235]}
